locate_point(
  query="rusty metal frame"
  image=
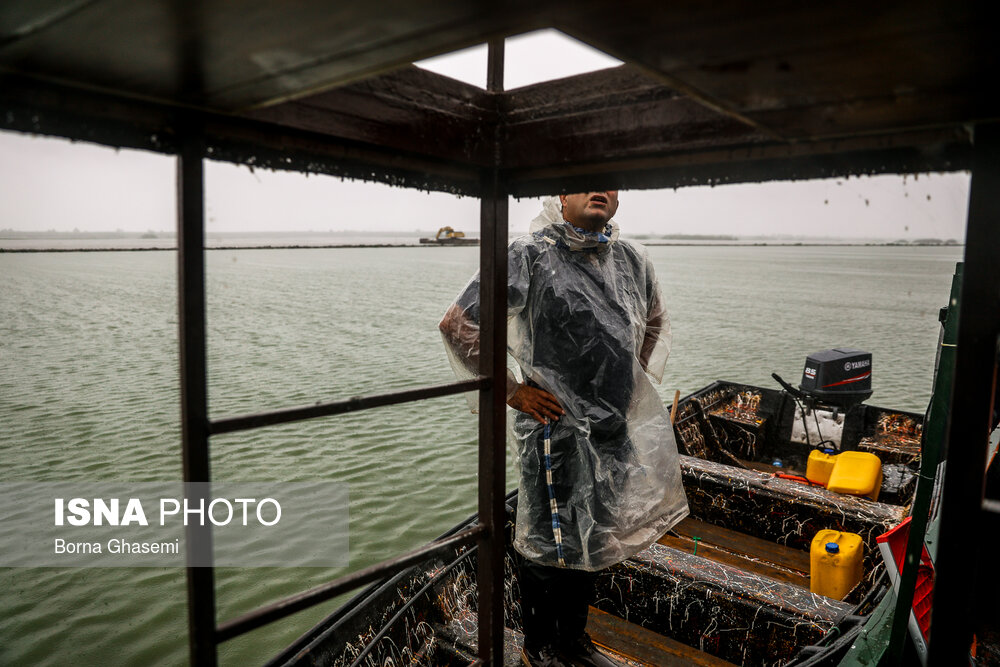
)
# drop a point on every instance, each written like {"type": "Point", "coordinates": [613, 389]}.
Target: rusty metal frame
{"type": "Point", "coordinates": [919, 151]}
{"type": "Point", "coordinates": [672, 143]}
{"type": "Point", "coordinates": [204, 634]}
{"type": "Point", "coordinates": [294, 414]}
{"type": "Point", "coordinates": [194, 383]}
{"type": "Point", "coordinates": [492, 401]}
{"type": "Point", "coordinates": [256, 140]}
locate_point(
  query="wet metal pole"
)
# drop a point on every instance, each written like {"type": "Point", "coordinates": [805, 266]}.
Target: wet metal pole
{"type": "Point", "coordinates": [492, 400]}
{"type": "Point", "coordinates": [195, 426]}
{"type": "Point", "coordinates": [194, 390]}
{"type": "Point", "coordinates": [961, 566]}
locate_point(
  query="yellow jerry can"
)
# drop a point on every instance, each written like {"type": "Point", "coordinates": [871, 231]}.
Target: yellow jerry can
{"type": "Point", "coordinates": [820, 465]}
{"type": "Point", "coordinates": [856, 473]}
{"type": "Point", "coordinates": [835, 563]}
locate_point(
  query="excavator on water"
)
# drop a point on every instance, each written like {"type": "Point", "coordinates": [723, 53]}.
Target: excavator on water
{"type": "Point", "coordinates": [448, 236]}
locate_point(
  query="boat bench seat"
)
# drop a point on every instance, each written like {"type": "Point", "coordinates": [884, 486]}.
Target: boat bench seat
{"type": "Point", "coordinates": [725, 611]}
{"type": "Point", "coordinates": [777, 509]}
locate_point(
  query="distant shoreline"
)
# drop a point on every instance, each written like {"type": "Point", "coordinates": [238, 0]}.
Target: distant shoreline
{"type": "Point", "coordinates": [234, 247]}
{"type": "Point", "coordinates": [826, 244]}
{"type": "Point", "coordinates": [754, 244]}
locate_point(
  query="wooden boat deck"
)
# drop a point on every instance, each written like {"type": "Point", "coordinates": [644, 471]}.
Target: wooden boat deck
{"type": "Point", "coordinates": [746, 552]}
{"type": "Point", "coordinates": [633, 644]}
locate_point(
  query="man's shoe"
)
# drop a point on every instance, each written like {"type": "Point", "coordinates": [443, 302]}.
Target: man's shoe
{"type": "Point", "coordinates": [546, 656]}
{"type": "Point", "coordinates": [583, 653]}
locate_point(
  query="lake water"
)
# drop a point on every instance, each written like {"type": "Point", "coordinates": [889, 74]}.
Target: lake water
{"type": "Point", "coordinates": [89, 391]}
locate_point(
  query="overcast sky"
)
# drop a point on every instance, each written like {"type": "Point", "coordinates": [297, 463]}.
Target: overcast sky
{"type": "Point", "coordinates": [54, 184]}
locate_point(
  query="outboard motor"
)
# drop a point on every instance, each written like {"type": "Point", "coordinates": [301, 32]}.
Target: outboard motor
{"type": "Point", "coordinates": [833, 382]}
{"type": "Point", "coordinates": [841, 377]}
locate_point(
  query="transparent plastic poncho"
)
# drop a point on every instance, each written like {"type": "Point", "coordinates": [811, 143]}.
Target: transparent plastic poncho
{"type": "Point", "coordinates": [586, 322]}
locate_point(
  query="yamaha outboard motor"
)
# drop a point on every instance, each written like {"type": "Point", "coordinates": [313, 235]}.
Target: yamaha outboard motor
{"type": "Point", "coordinates": [841, 377]}
{"type": "Point", "coordinates": [833, 382]}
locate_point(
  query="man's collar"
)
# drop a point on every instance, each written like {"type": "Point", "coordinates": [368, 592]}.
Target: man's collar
{"type": "Point", "coordinates": [575, 239]}
{"type": "Point", "coordinates": [603, 236]}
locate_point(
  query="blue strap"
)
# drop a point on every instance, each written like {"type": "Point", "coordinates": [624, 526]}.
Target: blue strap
{"type": "Point", "coordinates": [556, 530]}
{"type": "Point", "coordinates": [602, 237]}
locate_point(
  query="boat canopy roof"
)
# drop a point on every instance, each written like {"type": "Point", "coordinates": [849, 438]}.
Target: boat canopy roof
{"type": "Point", "coordinates": [709, 93]}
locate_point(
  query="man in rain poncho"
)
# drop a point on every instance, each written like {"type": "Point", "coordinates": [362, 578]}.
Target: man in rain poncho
{"type": "Point", "coordinates": [599, 473]}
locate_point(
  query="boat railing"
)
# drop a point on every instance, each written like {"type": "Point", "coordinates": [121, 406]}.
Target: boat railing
{"type": "Point", "coordinates": [196, 427]}
{"type": "Point", "coordinates": [295, 603]}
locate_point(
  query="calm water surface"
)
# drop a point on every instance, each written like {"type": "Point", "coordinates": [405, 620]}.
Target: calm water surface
{"type": "Point", "coordinates": [89, 391]}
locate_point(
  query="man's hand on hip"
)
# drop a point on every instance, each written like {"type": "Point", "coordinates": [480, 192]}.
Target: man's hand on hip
{"type": "Point", "coordinates": [538, 403]}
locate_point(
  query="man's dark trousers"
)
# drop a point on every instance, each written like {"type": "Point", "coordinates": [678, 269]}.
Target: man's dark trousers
{"type": "Point", "coordinates": [554, 603]}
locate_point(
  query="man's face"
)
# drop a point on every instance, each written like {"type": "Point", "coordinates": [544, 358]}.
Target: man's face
{"type": "Point", "coordinates": [590, 210]}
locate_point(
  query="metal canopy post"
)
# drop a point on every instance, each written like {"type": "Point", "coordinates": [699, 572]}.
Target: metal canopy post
{"type": "Point", "coordinates": [492, 400]}
{"type": "Point", "coordinates": [964, 529]}
{"type": "Point", "coordinates": [195, 431]}
{"type": "Point", "coordinates": [194, 384]}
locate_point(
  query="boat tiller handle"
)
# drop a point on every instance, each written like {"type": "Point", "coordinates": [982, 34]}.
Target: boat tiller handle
{"type": "Point", "coordinates": [789, 388]}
